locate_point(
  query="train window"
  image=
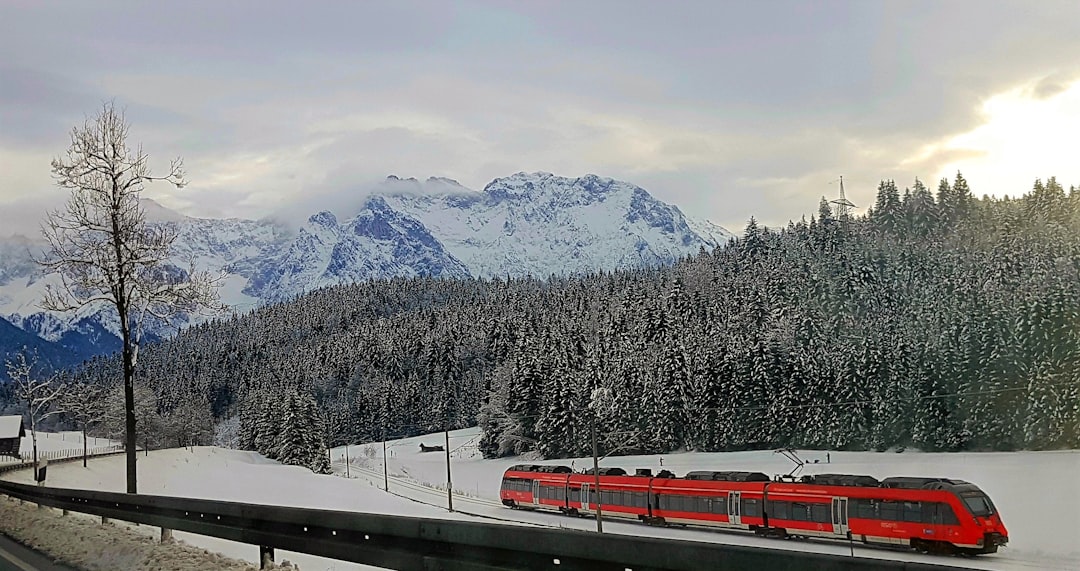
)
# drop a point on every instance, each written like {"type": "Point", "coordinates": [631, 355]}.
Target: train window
{"type": "Point", "coordinates": [751, 507]}
{"type": "Point", "coordinates": [863, 509]}
{"type": "Point", "coordinates": [948, 517]}
{"type": "Point", "coordinates": [780, 510]}
{"type": "Point", "coordinates": [719, 505]}
{"type": "Point", "coordinates": [912, 512]}
{"type": "Point", "coordinates": [820, 513]}
{"type": "Point", "coordinates": [800, 511]}
{"type": "Point", "coordinates": [978, 504]}
{"type": "Point", "coordinates": [517, 485]}
{"type": "Point", "coordinates": [889, 511]}
{"type": "Point", "coordinates": [930, 512]}
{"type": "Point", "coordinates": [639, 500]}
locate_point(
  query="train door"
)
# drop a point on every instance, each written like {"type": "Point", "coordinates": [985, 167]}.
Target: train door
{"type": "Point", "coordinates": [536, 492]}
{"type": "Point", "coordinates": [734, 509]}
{"type": "Point", "coordinates": [839, 516]}
{"type": "Point", "coordinates": [584, 496]}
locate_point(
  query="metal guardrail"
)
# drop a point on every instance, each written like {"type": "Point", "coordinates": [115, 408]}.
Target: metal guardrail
{"type": "Point", "coordinates": [424, 544]}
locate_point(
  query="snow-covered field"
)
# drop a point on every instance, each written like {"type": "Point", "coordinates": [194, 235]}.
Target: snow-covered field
{"type": "Point", "coordinates": [1033, 490]}
{"type": "Point", "coordinates": [58, 441]}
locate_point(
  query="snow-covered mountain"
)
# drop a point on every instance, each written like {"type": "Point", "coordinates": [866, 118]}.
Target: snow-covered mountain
{"type": "Point", "coordinates": [525, 224]}
{"type": "Point", "coordinates": [541, 224]}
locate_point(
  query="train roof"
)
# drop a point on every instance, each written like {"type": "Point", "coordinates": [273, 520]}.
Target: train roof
{"type": "Point", "coordinates": [540, 468]}
{"type": "Point", "coordinates": [909, 483]}
{"type": "Point", "coordinates": [727, 476]}
{"type": "Point", "coordinates": [608, 471]}
{"type": "Point", "coordinates": [853, 480]}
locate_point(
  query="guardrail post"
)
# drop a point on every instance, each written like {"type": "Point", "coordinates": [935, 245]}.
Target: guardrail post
{"type": "Point", "coordinates": [104, 520]}
{"type": "Point", "coordinates": [266, 556]}
{"type": "Point", "coordinates": [166, 535]}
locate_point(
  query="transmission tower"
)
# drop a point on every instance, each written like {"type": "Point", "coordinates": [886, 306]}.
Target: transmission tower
{"type": "Point", "coordinates": [841, 205]}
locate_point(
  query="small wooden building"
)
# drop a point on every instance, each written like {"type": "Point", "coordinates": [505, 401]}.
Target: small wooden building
{"type": "Point", "coordinates": [12, 431]}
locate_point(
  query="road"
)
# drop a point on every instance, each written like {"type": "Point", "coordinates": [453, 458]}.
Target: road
{"type": "Point", "coordinates": [15, 557]}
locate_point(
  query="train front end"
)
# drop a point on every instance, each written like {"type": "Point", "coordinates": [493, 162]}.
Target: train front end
{"type": "Point", "coordinates": [985, 532]}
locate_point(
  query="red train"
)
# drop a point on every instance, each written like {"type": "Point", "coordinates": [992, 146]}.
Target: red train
{"type": "Point", "coordinates": [927, 514]}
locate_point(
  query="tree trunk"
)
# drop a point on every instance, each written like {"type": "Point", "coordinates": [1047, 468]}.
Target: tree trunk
{"type": "Point", "coordinates": [129, 407]}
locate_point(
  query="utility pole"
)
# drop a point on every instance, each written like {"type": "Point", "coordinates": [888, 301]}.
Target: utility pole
{"type": "Point", "coordinates": [596, 474]}
{"type": "Point", "coordinates": [449, 484]}
{"type": "Point", "coordinates": [385, 471]}
{"type": "Point", "coordinates": [347, 460]}
{"type": "Point", "coordinates": [842, 205]}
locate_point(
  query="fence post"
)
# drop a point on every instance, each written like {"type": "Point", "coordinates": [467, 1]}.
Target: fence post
{"type": "Point", "coordinates": [266, 556]}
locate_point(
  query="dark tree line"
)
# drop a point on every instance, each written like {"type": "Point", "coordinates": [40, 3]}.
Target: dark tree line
{"type": "Point", "coordinates": [936, 320]}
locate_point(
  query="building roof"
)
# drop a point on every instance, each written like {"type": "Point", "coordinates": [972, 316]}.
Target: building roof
{"type": "Point", "coordinates": [11, 427]}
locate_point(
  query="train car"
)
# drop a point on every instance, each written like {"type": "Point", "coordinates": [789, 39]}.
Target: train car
{"type": "Point", "coordinates": [927, 514]}
{"type": "Point", "coordinates": [534, 486]}
{"type": "Point", "coordinates": [732, 500]}
{"type": "Point", "coordinates": [621, 495]}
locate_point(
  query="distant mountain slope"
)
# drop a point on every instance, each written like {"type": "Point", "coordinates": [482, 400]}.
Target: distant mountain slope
{"type": "Point", "coordinates": [49, 355]}
{"type": "Point", "coordinates": [376, 243]}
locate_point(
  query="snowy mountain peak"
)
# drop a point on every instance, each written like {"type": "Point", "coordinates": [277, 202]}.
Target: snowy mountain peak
{"type": "Point", "coordinates": [325, 219]}
{"type": "Point", "coordinates": [155, 212]}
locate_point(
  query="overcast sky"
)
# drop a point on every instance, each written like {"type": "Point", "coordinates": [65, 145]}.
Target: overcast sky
{"type": "Point", "coordinates": [727, 109]}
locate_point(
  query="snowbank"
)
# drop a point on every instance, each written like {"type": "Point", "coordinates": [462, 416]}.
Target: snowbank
{"type": "Point", "coordinates": [82, 542]}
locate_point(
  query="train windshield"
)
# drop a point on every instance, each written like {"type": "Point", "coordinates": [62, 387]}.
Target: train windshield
{"type": "Point", "coordinates": [978, 504]}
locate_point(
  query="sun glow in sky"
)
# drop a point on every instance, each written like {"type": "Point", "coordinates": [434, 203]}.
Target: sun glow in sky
{"type": "Point", "coordinates": [1024, 136]}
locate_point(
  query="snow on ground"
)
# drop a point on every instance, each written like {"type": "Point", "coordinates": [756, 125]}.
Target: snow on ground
{"type": "Point", "coordinates": [1032, 490]}
{"type": "Point", "coordinates": [70, 443]}
{"type": "Point", "coordinates": [232, 475]}
{"type": "Point", "coordinates": [80, 541]}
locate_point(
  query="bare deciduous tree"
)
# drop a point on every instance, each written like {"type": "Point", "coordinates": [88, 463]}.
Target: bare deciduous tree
{"type": "Point", "coordinates": [105, 252]}
{"type": "Point", "coordinates": [40, 395]}
{"type": "Point", "coordinates": [84, 403]}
